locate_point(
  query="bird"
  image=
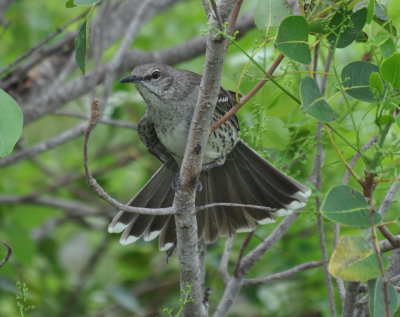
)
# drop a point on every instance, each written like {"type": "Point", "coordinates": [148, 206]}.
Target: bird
{"type": "Point", "coordinates": [232, 172]}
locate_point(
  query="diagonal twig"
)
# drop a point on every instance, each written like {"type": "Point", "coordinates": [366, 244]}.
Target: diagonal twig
{"type": "Point", "coordinates": [8, 255]}
{"type": "Point", "coordinates": [283, 274]}
{"type": "Point", "coordinates": [246, 98]}
{"type": "Point", "coordinates": [91, 181]}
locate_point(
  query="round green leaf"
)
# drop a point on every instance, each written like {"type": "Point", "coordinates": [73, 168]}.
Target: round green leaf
{"type": "Point", "coordinates": [388, 48]}
{"type": "Point", "coordinates": [356, 76]}
{"type": "Point", "coordinates": [384, 120]}
{"type": "Point", "coordinates": [270, 13]}
{"type": "Point", "coordinates": [292, 39]}
{"type": "Point", "coordinates": [376, 84]}
{"type": "Point", "coordinates": [390, 70]}
{"type": "Point", "coordinates": [354, 260]}
{"type": "Point", "coordinates": [10, 123]}
{"type": "Point", "coordinates": [371, 10]}
{"type": "Point", "coordinates": [345, 26]}
{"type": "Point", "coordinates": [393, 10]}
{"type": "Point", "coordinates": [319, 26]}
{"type": "Point", "coordinates": [345, 205]}
{"type": "Point", "coordinates": [313, 103]}
{"type": "Point", "coordinates": [70, 4]}
{"type": "Point", "coordinates": [376, 298]}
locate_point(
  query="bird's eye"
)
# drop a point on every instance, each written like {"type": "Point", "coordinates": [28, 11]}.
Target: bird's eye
{"type": "Point", "coordinates": [156, 74]}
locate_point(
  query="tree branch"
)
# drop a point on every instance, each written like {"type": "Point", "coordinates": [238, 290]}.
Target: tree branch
{"type": "Point", "coordinates": [283, 274]}
{"type": "Point", "coordinates": [223, 265]}
{"type": "Point", "coordinates": [8, 255]}
{"type": "Point", "coordinates": [44, 146]}
{"type": "Point", "coordinates": [91, 181]}
{"type": "Point", "coordinates": [184, 200]}
{"type": "Point", "coordinates": [71, 207]}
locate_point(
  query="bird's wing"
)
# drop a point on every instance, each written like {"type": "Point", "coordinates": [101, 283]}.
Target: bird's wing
{"type": "Point", "coordinates": [148, 135]}
{"type": "Point", "coordinates": [226, 101]}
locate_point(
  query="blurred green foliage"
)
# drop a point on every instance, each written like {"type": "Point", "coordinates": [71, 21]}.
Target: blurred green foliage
{"type": "Point", "coordinates": [73, 267]}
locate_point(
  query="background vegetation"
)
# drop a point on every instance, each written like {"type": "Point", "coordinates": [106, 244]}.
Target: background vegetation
{"type": "Point", "coordinates": [56, 226]}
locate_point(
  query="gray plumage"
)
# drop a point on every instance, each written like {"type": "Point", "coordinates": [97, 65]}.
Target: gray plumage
{"type": "Point", "coordinates": [232, 171]}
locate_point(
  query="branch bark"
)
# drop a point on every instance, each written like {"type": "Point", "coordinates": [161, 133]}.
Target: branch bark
{"type": "Point", "coordinates": [184, 201]}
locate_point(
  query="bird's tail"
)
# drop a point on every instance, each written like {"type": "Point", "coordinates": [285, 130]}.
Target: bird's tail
{"type": "Point", "coordinates": [245, 178]}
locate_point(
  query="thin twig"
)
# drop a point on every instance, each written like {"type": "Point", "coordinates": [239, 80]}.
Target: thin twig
{"type": "Point", "coordinates": [394, 188]}
{"type": "Point", "coordinates": [320, 223]}
{"type": "Point", "coordinates": [244, 246]}
{"type": "Point", "coordinates": [129, 36]}
{"type": "Point", "coordinates": [317, 180]}
{"type": "Point", "coordinates": [252, 257]}
{"type": "Point", "coordinates": [263, 208]}
{"type": "Point", "coordinates": [117, 123]}
{"type": "Point", "coordinates": [337, 150]}
{"type": "Point", "coordinates": [91, 181]}
{"type": "Point", "coordinates": [223, 265]}
{"type": "Point", "coordinates": [393, 239]}
{"type": "Point", "coordinates": [283, 274]}
{"type": "Point", "coordinates": [44, 146]}
{"type": "Point", "coordinates": [65, 180]}
{"type": "Point", "coordinates": [246, 98]}
{"type": "Point", "coordinates": [234, 16]}
{"type": "Point", "coordinates": [217, 16]}
{"type": "Point", "coordinates": [48, 38]}
{"type": "Point", "coordinates": [8, 255]}
{"type": "Point", "coordinates": [71, 207]}
{"type": "Point", "coordinates": [356, 157]}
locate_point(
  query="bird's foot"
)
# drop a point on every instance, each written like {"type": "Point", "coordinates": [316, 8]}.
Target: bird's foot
{"type": "Point", "coordinates": [218, 162]}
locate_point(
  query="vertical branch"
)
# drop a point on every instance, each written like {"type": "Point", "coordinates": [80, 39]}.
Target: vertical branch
{"type": "Point", "coordinates": [349, 304]}
{"type": "Point", "coordinates": [317, 177]}
{"type": "Point", "coordinates": [235, 282]}
{"type": "Point", "coordinates": [184, 201]}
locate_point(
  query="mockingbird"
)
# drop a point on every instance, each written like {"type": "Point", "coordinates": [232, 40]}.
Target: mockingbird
{"type": "Point", "coordinates": [232, 172]}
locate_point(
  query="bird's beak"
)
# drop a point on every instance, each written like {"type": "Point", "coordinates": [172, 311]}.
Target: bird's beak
{"type": "Point", "coordinates": [129, 79]}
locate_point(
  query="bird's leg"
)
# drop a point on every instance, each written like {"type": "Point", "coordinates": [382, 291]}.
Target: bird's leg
{"type": "Point", "coordinates": [218, 162]}
{"type": "Point", "coordinates": [176, 184]}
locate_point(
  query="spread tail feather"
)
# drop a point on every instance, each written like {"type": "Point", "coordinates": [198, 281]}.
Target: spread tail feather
{"type": "Point", "coordinates": [245, 178]}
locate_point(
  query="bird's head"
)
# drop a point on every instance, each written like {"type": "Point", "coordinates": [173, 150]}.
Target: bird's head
{"type": "Point", "coordinates": [152, 80]}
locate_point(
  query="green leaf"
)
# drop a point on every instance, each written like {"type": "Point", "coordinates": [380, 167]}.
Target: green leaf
{"type": "Point", "coordinates": [70, 4]}
{"type": "Point", "coordinates": [345, 26]}
{"type": "Point", "coordinates": [388, 48]}
{"type": "Point", "coordinates": [313, 103]}
{"type": "Point", "coordinates": [376, 298]}
{"type": "Point", "coordinates": [376, 84]}
{"type": "Point", "coordinates": [371, 10]}
{"type": "Point", "coordinates": [10, 123]}
{"type": "Point", "coordinates": [390, 70]}
{"type": "Point", "coordinates": [393, 10]}
{"type": "Point", "coordinates": [384, 120]}
{"type": "Point", "coordinates": [319, 25]}
{"type": "Point", "coordinates": [354, 260]}
{"type": "Point", "coordinates": [355, 77]}
{"type": "Point", "coordinates": [398, 121]}
{"type": "Point", "coordinates": [270, 13]}
{"type": "Point", "coordinates": [292, 39]}
{"type": "Point", "coordinates": [380, 38]}
{"type": "Point", "coordinates": [80, 48]}
{"type": "Point", "coordinates": [85, 2]}
{"type": "Point", "coordinates": [344, 205]}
